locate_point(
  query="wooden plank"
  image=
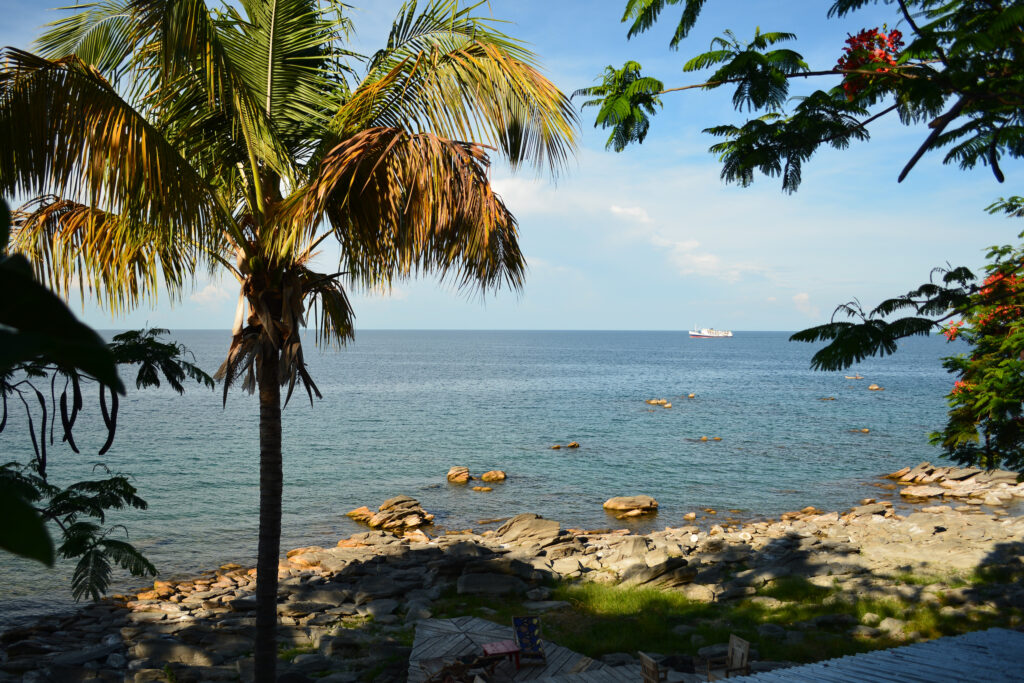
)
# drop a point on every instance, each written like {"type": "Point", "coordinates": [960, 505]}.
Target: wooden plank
{"type": "Point", "coordinates": [559, 661]}
{"type": "Point", "coordinates": [992, 655]}
{"type": "Point", "coordinates": [442, 647]}
{"type": "Point", "coordinates": [421, 646]}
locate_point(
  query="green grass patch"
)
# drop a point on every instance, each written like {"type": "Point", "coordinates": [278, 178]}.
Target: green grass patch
{"type": "Point", "coordinates": [287, 655]}
{"type": "Point", "coordinates": [603, 618]}
{"type": "Point", "coordinates": [909, 579]}
{"type": "Point", "coordinates": [997, 574]}
{"type": "Point", "coordinates": [501, 610]}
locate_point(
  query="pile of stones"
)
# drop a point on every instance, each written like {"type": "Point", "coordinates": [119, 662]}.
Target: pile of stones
{"type": "Point", "coordinates": [350, 609]}
{"type": "Point", "coordinates": [460, 475]}
{"type": "Point", "coordinates": [969, 485]}
{"type": "Point", "coordinates": [400, 513]}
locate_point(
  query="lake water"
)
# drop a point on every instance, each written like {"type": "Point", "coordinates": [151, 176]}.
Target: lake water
{"type": "Point", "coordinates": [401, 407]}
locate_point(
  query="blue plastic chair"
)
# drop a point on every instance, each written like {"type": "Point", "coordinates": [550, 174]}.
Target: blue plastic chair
{"type": "Point", "coordinates": [526, 633]}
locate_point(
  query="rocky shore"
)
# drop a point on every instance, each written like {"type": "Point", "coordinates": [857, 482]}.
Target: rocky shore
{"type": "Point", "coordinates": [347, 612]}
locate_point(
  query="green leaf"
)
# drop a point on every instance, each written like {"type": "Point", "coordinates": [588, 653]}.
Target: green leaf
{"type": "Point", "coordinates": [127, 557]}
{"type": "Point", "coordinates": [23, 531]}
{"type": "Point", "coordinates": [39, 325]}
{"type": "Point", "coordinates": [92, 575]}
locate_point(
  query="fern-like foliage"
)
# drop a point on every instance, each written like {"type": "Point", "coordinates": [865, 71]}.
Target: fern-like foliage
{"type": "Point", "coordinates": [643, 14]}
{"type": "Point", "coordinates": [155, 358]}
{"type": "Point", "coordinates": [760, 76]}
{"type": "Point", "coordinates": [79, 510]}
{"type": "Point", "coordinates": [625, 100]}
{"type": "Point", "coordinates": [95, 553]}
{"type": "Point", "coordinates": [959, 72]}
{"type": "Point", "coordinates": [874, 335]}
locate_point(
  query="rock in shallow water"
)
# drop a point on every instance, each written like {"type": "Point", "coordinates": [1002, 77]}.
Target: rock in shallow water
{"type": "Point", "coordinates": [922, 491]}
{"type": "Point", "coordinates": [626, 503]}
{"type": "Point", "coordinates": [458, 474]}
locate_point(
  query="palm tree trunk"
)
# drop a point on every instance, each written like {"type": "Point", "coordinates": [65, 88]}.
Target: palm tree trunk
{"type": "Point", "coordinates": [270, 518]}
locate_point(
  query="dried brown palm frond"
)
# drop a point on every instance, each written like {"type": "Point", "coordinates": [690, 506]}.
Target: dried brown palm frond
{"type": "Point", "coordinates": [401, 204]}
{"type": "Point", "coordinates": [114, 257]}
{"type": "Point", "coordinates": [277, 316]}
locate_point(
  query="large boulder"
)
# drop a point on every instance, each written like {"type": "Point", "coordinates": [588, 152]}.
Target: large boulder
{"type": "Point", "coordinates": [922, 491]}
{"type": "Point", "coordinates": [668, 574]}
{"type": "Point", "coordinates": [494, 475]}
{"type": "Point", "coordinates": [458, 475]}
{"type": "Point", "coordinates": [398, 514]}
{"type": "Point", "coordinates": [645, 504]}
{"type": "Point", "coordinates": [529, 529]}
{"type": "Point", "coordinates": [172, 652]}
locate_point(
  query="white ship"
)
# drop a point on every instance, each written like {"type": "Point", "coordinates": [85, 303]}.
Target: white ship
{"type": "Point", "coordinates": [710, 332]}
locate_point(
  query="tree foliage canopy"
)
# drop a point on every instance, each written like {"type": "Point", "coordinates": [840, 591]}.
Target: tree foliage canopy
{"type": "Point", "coordinates": [159, 138]}
{"type": "Point", "coordinates": [960, 72]}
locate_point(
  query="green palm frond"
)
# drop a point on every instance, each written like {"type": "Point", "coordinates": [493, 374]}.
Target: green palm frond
{"type": "Point", "coordinates": [452, 74]}
{"type": "Point", "coordinates": [98, 149]}
{"type": "Point", "coordinates": [184, 50]}
{"type": "Point", "coordinates": [101, 34]}
{"type": "Point", "coordinates": [284, 52]}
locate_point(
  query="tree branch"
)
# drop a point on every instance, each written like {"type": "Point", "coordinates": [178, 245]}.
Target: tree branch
{"type": "Point", "coordinates": [890, 70]}
{"type": "Point", "coordinates": [937, 126]}
{"type": "Point", "coordinates": [917, 30]}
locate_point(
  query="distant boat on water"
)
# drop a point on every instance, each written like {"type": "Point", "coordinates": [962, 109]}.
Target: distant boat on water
{"type": "Point", "coordinates": [709, 332]}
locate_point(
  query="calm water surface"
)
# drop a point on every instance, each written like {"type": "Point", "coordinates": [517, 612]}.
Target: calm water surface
{"type": "Point", "coordinates": [401, 407]}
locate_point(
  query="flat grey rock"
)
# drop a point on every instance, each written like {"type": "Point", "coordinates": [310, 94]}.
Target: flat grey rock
{"type": "Point", "coordinates": [378, 608]}
{"type": "Point", "coordinates": [88, 654]}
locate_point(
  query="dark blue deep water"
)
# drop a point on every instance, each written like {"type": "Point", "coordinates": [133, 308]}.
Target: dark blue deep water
{"type": "Point", "coordinates": [400, 407]}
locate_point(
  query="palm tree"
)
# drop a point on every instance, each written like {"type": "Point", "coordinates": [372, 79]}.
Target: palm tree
{"type": "Point", "coordinates": [160, 137]}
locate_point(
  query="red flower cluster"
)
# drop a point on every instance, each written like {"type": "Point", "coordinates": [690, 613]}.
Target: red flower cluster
{"type": "Point", "coordinates": [953, 329]}
{"type": "Point", "coordinates": [960, 386]}
{"type": "Point", "coordinates": [867, 50]}
{"type": "Point", "coordinates": [997, 284]}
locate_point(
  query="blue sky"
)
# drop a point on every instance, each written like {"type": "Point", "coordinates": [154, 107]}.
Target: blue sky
{"type": "Point", "coordinates": [651, 238]}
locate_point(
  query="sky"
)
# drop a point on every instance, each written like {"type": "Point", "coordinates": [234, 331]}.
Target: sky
{"type": "Point", "coordinates": [652, 238]}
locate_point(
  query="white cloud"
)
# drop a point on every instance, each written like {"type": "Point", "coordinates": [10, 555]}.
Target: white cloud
{"type": "Point", "coordinates": [387, 293]}
{"type": "Point", "coordinates": [211, 295]}
{"type": "Point", "coordinates": [539, 266]}
{"type": "Point", "coordinates": [804, 305]}
{"type": "Point", "coordinates": [636, 213]}
{"type": "Point", "coordinates": [524, 196]}
{"type": "Point", "coordinates": [688, 260]}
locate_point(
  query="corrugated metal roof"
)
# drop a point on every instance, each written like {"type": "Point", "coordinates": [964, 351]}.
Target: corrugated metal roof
{"type": "Point", "coordinates": [992, 656]}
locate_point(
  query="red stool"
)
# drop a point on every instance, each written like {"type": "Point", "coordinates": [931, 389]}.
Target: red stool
{"type": "Point", "coordinates": [503, 648]}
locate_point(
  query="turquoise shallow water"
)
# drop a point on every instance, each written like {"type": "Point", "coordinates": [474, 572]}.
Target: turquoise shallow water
{"type": "Point", "coordinates": [401, 407]}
